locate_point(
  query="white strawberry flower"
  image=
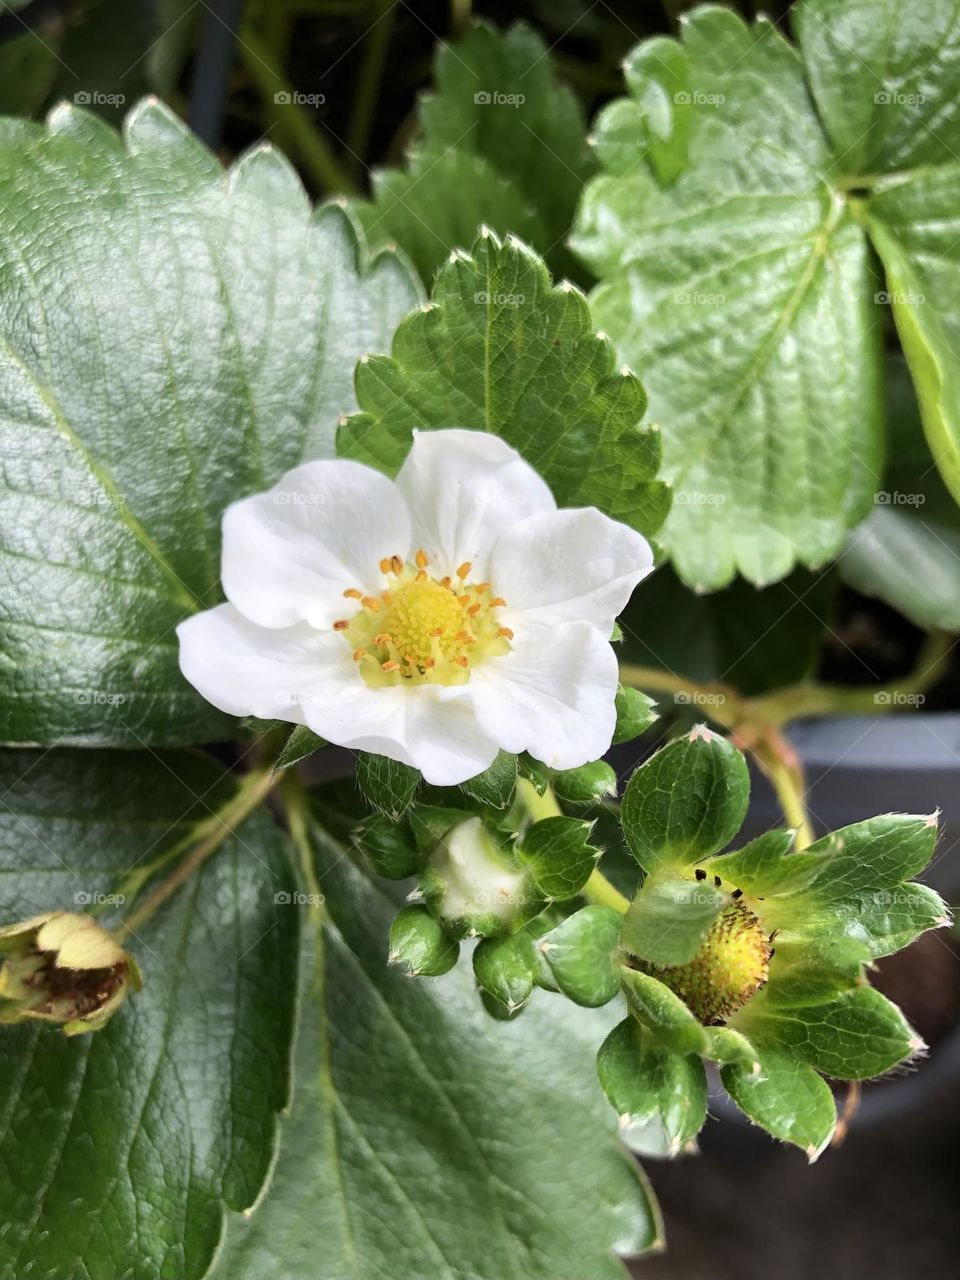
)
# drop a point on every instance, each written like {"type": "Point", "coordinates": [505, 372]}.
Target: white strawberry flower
{"type": "Point", "coordinates": [433, 619]}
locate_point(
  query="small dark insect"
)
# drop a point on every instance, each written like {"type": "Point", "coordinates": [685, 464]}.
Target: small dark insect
{"type": "Point", "coordinates": [700, 873]}
{"type": "Point", "coordinates": [737, 893]}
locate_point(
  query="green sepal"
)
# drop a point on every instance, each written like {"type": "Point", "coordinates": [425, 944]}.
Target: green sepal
{"type": "Point", "coordinates": [419, 946]}
{"type": "Point", "coordinates": [389, 846]}
{"type": "Point", "coordinates": [302, 742]}
{"type": "Point", "coordinates": [670, 917]}
{"type": "Point", "coordinates": [659, 1096]}
{"type": "Point", "coordinates": [663, 1012]}
{"type": "Point", "coordinates": [686, 802]}
{"type": "Point", "coordinates": [559, 856]}
{"type": "Point", "coordinates": [496, 785]}
{"type": "Point", "coordinates": [475, 883]}
{"type": "Point", "coordinates": [430, 823]}
{"type": "Point", "coordinates": [580, 955]}
{"type": "Point", "coordinates": [387, 784]}
{"type": "Point", "coordinates": [766, 866]}
{"type": "Point", "coordinates": [856, 1035]}
{"type": "Point", "coordinates": [505, 970]}
{"type": "Point", "coordinates": [785, 1097]}
{"type": "Point", "coordinates": [724, 1044]}
{"type": "Point", "coordinates": [636, 713]}
{"type": "Point", "coordinates": [586, 785]}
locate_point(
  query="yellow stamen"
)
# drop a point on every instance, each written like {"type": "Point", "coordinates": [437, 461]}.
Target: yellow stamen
{"type": "Point", "coordinates": [464, 569]}
{"type": "Point", "coordinates": [421, 576]}
{"type": "Point", "coordinates": [382, 638]}
{"type": "Point", "coordinates": [371, 603]}
{"type": "Point", "coordinates": [396, 564]}
{"type": "Point", "coordinates": [497, 603]}
{"type": "Point", "coordinates": [422, 559]}
{"type": "Point", "coordinates": [358, 654]}
{"type": "Point", "coordinates": [474, 609]}
{"type": "Point", "coordinates": [352, 593]}
{"type": "Point", "coordinates": [462, 662]}
{"type": "Point", "coordinates": [506, 633]}
{"type": "Point", "coordinates": [341, 624]}
{"type": "Point", "coordinates": [391, 666]}
{"type": "Point", "coordinates": [385, 564]}
{"type": "Point", "coordinates": [445, 582]}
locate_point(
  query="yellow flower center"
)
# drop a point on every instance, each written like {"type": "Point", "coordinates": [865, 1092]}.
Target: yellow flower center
{"type": "Point", "coordinates": [424, 630]}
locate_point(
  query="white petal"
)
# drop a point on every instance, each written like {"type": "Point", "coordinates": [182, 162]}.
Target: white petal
{"type": "Point", "coordinates": [464, 488]}
{"type": "Point", "coordinates": [553, 695]}
{"type": "Point", "coordinates": [248, 670]}
{"type": "Point", "coordinates": [290, 553]}
{"type": "Point", "coordinates": [425, 727]}
{"type": "Point", "coordinates": [569, 566]}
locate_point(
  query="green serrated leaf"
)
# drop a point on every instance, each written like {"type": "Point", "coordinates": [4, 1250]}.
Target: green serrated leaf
{"type": "Point", "coordinates": [504, 1112]}
{"type": "Point", "coordinates": [636, 713]}
{"type": "Point", "coordinates": [580, 955]}
{"type": "Point", "coordinates": [765, 866]}
{"type": "Point", "coordinates": [386, 784]}
{"type": "Point", "coordinates": [786, 1097]}
{"type": "Point", "coordinates": [500, 349]}
{"type": "Point", "coordinates": [559, 855]}
{"type": "Point", "coordinates": [663, 1012]}
{"type": "Point", "coordinates": [500, 143]}
{"type": "Point", "coordinates": [219, 970]}
{"type": "Point", "coordinates": [670, 917]}
{"type": "Point", "coordinates": [222, 321]}
{"type": "Point", "coordinates": [660, 1096]}
{"type": "Point", "coordinates": [302, 742]}
{"type": "Point", "coordinates": [740, 282]}
{"type": "Point", "coordinates": [686, 802]}
{"type": "Point", "coordinates": [496, 785]}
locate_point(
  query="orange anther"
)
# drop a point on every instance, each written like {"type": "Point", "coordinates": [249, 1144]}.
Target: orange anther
{"type": "Point", "coordinates": [462, 662]}
{"type": "Point", "coordinates": [437, 631]}
{"type": "Point", "coordinates": [428, 662]}
{"type": "Point", "coordinates": [421, 575]}
{"type": "Point", "coordinates": [391, 666]}
{"type": "Point", "coordinates": [497, 603]}
{"type": "Point", "coordinates": [474, 608]}
{"type": "Point", "coordinates": [371, 603]}
{"type": "Point", "coordinates": [464, 637]}
{"type": "Point", "coordinates": [506, 633]}
{"type": "Point", "coordinates": [396, 564]}
{"type": "Point", "coordinates": [445, 582]}
{"type": "Point", "coordinates": [352, 593]}
{"type": "Point", "coordinates": [422, 559]}
{"type": "Point", "coordinates": [385, 564]}
{"type": "Point", "coordinates": [481, 587]}
{"type": "Point", "coordinates": [382, 638]}
{"type": "Point", "coordinates": [341, 624]}
{"type": "Point", "coordinates": [358, 654]}
{"type": "Point", "coordinates": [464, 569]}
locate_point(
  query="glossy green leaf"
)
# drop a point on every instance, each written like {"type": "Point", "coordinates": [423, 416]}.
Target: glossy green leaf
{"type": "Point", "coordinates": [195, 339]}
{"type": "Point", "coordinates": [397, 1080]}
{"type": "Point", "coordinates": [501, 143]}
{"type": "Point", "coordinates": [660, 1096]}
{"type": "Point", "coordinates": [886, 80]}
{"type": "Point", "coordinates": [500, 349]}
{"type": "Point", "coordinates": [168, 1115]}
{"type": "Point", "coordinates": [387, 784]}
{"type": "Point", "coordinates": [854, 1036]}
{"type": "Point", "coordinates": [580, 954]}
{"type": "Point", "coordinates": [786, 1097]}
{"type": "Point", "coordinates": [766, 865]}
{"type": "Point", "coordinates": [724, 1044]}
{"type": "Point", "coordinates": [663, 1012]}
{"type": "Point", "coordinates": [915, 226]}
{"type": "Point", "coordinates": [301, 743]}
{"type": "Point", "coordinates": [686, 802]}
{"type": "Point", "coordinates": [496, 785]}
{"type": "Point", "coordinates": [742, 289]}
{"type": "Point", "coordinates": [670, 917]}
{"type": "Point", "coordinates": [559, 855]}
